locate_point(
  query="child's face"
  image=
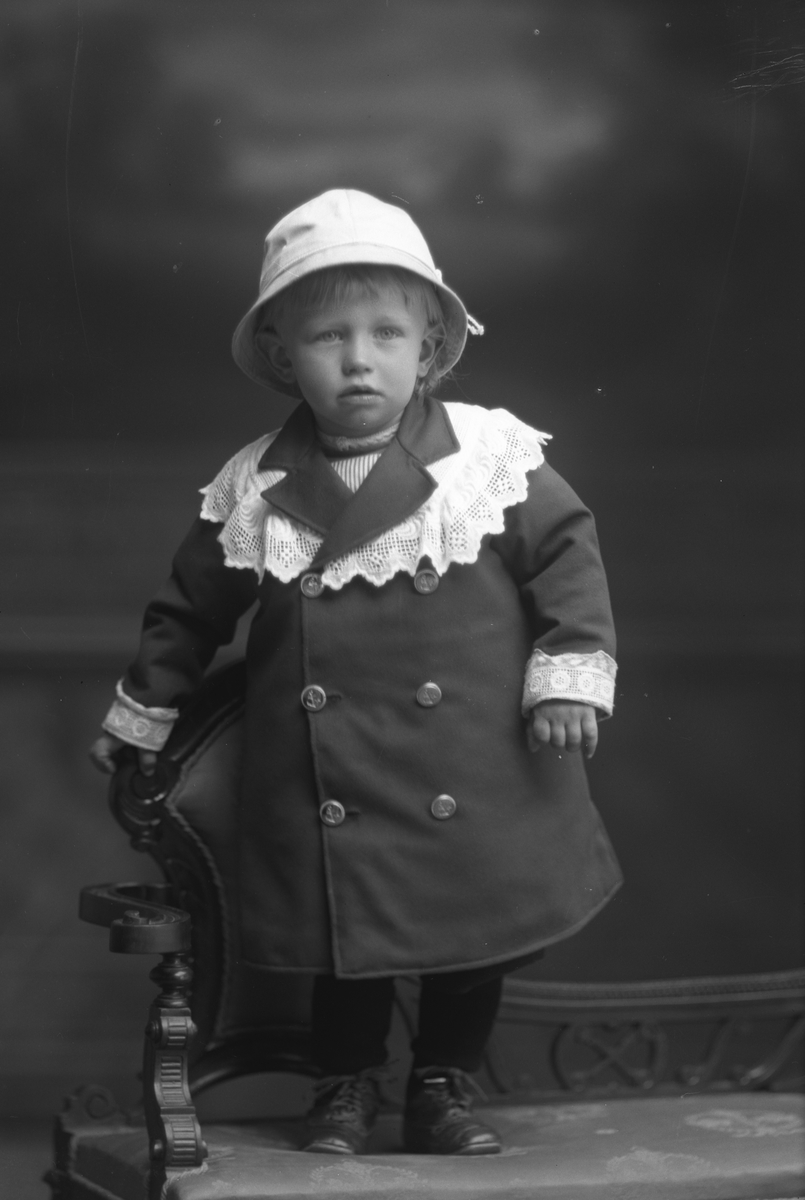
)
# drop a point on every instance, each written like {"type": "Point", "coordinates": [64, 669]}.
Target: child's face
{"type": "Point", "coordinates": [356, 362]}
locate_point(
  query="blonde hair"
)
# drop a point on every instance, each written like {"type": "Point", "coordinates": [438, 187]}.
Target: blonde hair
{"type": "Point", "coordinates": [333, 285]}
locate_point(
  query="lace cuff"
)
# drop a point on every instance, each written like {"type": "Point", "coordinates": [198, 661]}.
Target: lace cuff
{"type": "Point", "coordinates": [585, 678]}
{"type": "Point", "coordinates": [147, 728]}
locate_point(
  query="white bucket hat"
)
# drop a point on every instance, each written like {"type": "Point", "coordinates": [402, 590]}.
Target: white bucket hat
{"type": "Point", "coordinates": [337, 228]}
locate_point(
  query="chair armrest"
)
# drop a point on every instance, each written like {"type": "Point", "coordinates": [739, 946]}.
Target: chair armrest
{"type": "Point", "coordinates": [137, 800]}
{"type": "Point", "coordinates": [138, 920]}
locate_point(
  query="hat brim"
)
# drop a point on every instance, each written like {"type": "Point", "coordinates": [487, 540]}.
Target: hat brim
{"type": "Point", "coordinates": [254, 364]}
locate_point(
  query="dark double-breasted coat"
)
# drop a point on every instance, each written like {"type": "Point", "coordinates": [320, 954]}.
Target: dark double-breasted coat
{"type": "Point", "coordinates": [452, 845]}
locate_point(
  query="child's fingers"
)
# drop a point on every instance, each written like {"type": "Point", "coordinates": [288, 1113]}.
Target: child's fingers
{"type": "Point", "coordinates": [102, 752]}
{"type": "Point", "coordinates": [538, 732]}
{"type": "Point", "coordinates": [558, 733]}
{"type": "Point", "coordinates": [148, 761]}
{"type": "Point", "coordinates": [564, 727]}
{"type": "Point", "coordinates": [573, 734]}
{"type": "Point", "coordinates": [101, 762]}
{"type": "Point", "coordinates": [589, 729]}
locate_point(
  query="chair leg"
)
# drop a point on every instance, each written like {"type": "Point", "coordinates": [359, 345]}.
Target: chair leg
{"type": "Point", "coordinates": [174, 1134]}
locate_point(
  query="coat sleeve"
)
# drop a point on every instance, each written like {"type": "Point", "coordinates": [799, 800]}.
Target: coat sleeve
{"type": "Point", "coordinates": [194, 613]}
{"type": "Point", "coordinates": [550, 547]}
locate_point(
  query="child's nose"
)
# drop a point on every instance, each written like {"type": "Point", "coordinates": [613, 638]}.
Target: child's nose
{"type": "Point", "coordinates": [357, 354]}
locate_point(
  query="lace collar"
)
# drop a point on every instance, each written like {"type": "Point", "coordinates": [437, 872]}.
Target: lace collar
{"type": "Point", "coordinates": [464, 496]}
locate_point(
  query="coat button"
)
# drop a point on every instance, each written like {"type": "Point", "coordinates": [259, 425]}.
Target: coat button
{"type": "Point", "coordinates": [332, 812]}
{"type": "Point", "coordinates": [314, 697]}
{"type": "Point", "coordinates": [311, 585]}
{"type": "Point", "coordinates": [429, 695]}
{"type": "Point", "coordinates": [443, 807]}
{"type": "Point", "coordinates": [426, 581]}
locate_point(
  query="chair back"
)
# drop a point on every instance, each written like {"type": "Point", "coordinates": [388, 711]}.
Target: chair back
{"type": "Point", "coordinates": [185, 817]}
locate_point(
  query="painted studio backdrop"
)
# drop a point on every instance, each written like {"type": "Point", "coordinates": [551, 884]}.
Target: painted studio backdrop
{"type": "Point", "coordinates": [614, 189]}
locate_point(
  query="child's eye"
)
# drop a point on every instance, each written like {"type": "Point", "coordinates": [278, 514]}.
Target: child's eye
{"type": "Point", "coordinates": [328, 335]}
{"type": "Point", "coordinates": [387, 333]}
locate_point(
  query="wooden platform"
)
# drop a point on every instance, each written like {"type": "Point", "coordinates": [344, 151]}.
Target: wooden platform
{"type": "Point", "coordinates": [707, 1147]}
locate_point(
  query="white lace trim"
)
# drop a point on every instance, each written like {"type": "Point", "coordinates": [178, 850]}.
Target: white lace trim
{"type": "Point", "coordinates": [474, 487]}
{"type": "Point", "coordinates": [148, 728]}
{"type": "Point", "coordinates": [586, 678]}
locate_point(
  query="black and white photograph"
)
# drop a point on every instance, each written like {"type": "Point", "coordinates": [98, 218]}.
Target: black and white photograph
{"type": "Point", "coordinates": [401, 620]}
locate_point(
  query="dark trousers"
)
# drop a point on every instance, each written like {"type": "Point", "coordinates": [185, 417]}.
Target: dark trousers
{"type": "Point", "coordinates": [351, 1019]}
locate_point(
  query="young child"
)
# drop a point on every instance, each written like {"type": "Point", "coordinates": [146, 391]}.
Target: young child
{"type": "Point", "coordinates": [432, 612]}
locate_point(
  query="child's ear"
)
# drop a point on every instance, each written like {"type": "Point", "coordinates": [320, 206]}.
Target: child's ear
{"type": "Point", "coordinates": [272, 348]}
{"type": "Point", "coordinates": [431, 345]}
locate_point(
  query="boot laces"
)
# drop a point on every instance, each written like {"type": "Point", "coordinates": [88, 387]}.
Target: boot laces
{"type": "Point", "coordinates": [346, 1095]}
{"type": "Point", "coordinates": [454, 1087]}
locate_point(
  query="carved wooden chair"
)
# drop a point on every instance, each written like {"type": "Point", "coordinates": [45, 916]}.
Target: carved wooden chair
{"type": "Point", "coordinates": [687, 1084]}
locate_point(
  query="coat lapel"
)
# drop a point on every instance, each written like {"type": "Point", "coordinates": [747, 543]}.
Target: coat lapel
{"type": "Point", "coordinates": [314, 494]}
{"type": "Point", "coordinates": [398, 484]}
{"type": "Point", "coordinates": [311, 492]}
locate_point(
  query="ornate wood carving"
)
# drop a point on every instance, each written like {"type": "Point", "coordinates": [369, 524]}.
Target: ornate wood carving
{"type": "Point", "coordinates": [137, 917]}
{"type": "Point", "coordinates": [138, 804]}
{"type": "Point", "coordinates": [139, 924]}
{"type": "Point", "coordinates": [174, 1134]}
{"type": "Point", "coordinates": [636, 1053]}
{"type": "Point", "coordinates": [181, 919]}
{"type": "Point", "coordinates": [137, 800]}
{"type": "Point", "coordinates": [630, 1038]}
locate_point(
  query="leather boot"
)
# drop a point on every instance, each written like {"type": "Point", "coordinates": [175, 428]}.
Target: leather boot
{"type": "Point", "coordinates": [438, 1118]}
{"type": "Point", "coordinates": [343, 1114]}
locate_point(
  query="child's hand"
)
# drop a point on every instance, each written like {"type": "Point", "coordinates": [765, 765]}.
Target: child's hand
{"type": "Point", "coordinates": [563, 724]}
{"type": "Point", "coordinates": [104, 751]}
